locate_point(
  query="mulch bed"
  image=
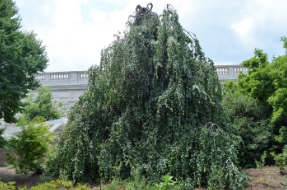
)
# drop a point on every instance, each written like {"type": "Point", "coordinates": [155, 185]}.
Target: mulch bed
{"type": "Point", "coordinates": [266, 178]}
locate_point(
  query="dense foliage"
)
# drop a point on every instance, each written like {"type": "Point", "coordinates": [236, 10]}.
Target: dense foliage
{"type": "Point", "coordinates": [42, 105]}
{"type": "Point", "coordinates": [29, 145]}
{"type": "Point", "coordinates": [21, 56]}
{"type": "Point", "coordinates": [252, 124]}
{"type": "Point", "coordinates": [267, 83]}
{"type": "Point", "coordinates": [257, 106]}
{"type": "Point", "coordinates": [151, 105]}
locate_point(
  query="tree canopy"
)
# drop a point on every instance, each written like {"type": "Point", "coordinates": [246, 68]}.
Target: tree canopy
{"type": "Point", "coordinates": [152, 105]}
{"type": "Point", "coordinates": [42, 105]}
{"type": "Point", "coordinates": [257, 105]}
{"type": "Point", "coordinates": [267, 82]}
{"type": "Point", "coordinates": [21, 57]}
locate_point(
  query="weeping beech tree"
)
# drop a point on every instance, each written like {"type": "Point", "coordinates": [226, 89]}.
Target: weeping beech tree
{"type": "Point", "coordinates": [151, 105]}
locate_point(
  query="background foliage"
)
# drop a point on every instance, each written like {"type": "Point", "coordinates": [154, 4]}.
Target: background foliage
{"type": "Point", "coordinates": [252, 124]}
{"type": "Point", "coordinates": [257, 107]}
{"type": "Point", "coordinates": [42, 105]}
{"type": "Point", "coordinates": [151, 105]}
{"type": "Point", "coordinates": [22, 56]}
{"type": "Point", "coordinates": [3, 142]}
{"type": "Point", "coordinates": [267, 83]}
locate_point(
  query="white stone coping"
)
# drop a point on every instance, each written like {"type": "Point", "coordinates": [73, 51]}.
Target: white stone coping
{"type": "Point", "coordinates": [80, 78]}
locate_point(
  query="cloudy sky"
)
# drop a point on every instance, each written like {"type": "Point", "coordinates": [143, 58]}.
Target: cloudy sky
{"type": "Point", "coordinates": [75, 31]}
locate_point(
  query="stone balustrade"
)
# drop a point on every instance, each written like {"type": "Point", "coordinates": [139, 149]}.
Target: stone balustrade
{"type": "Point", "coordinates": [238, 69]}
{"type": "Point", "coordinates": [63, 78]}
{"type": "Point", "coordinates": [229, 72]}
{"type": "Point", "coordinates": [84, 76]}
{"type": "Point", "coordinates": [225, 73]}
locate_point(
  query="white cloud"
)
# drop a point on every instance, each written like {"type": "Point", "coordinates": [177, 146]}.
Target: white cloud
{"type": "Point", "coordinates": [259, 18]}
{"type": "Point", "coordinates": [244, 29]}
{"type": "Point", "coordinates": [98, 16]}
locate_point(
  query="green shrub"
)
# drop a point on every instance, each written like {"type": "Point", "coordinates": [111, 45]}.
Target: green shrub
{"type": "Point", "coordinates": [281, 159]}
{"type": "Point", "coordinates": [7, 186]}
{"type": "Point", "coordinates": [30, 145]}
{"type": "Point", "coordinates": [251, 122]}
{"type": "Point", "coordinates": [261, 163]}
{"type": "Point", "coordinates": [52, 185]}
{"type": "Point", "coordinates": [58, 184]}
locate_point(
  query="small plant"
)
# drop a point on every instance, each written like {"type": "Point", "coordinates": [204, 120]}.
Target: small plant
{"type": "Point", "coordinates": [281, 159]}
{"type": "Point", "coordinates": [262, 180]}
{"type": "Point", "coordinates": [166, 184]}
{"type": "Point", "coordinates": [262, 163]}
{"type": "Point", "coordinates": [30, 145]}
{"type": "Point", "coordinates": [46, 177]}
{"type": "Point", "coordinates": [283, 183]}
{"type": "Point", "coordinates": [275, 171]}
{"type": "Point", "coordinates": [51, 163]}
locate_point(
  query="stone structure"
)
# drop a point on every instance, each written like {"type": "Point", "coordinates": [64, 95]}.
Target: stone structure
{"type": "Point", "coordinates": [229, 72]}
{"type": "Point", "coordinates": [67, 86]}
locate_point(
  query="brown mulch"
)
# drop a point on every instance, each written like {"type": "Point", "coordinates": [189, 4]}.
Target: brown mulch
{"type": "Point", "coordinates": [266, 178]}
{"type": "Point", "coordinates": [263, 178]}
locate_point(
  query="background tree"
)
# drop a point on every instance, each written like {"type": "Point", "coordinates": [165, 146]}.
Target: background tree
{"type": "Point", "coordinates": [257, 105]}
{"type": "Point", "coordinates": [22, 56]}
{"type": "Point", "coordinates": [42, 105]}
{"type": "Point", "coordinates": [267, 83]}
{"type": "Point", "coordinates": [151, 104]}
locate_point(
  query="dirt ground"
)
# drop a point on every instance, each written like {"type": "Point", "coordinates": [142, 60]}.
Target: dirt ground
{"type": "Point", "coordinates": [263, 178]}
{"type": "Point", "coordinates": [266, 178]}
